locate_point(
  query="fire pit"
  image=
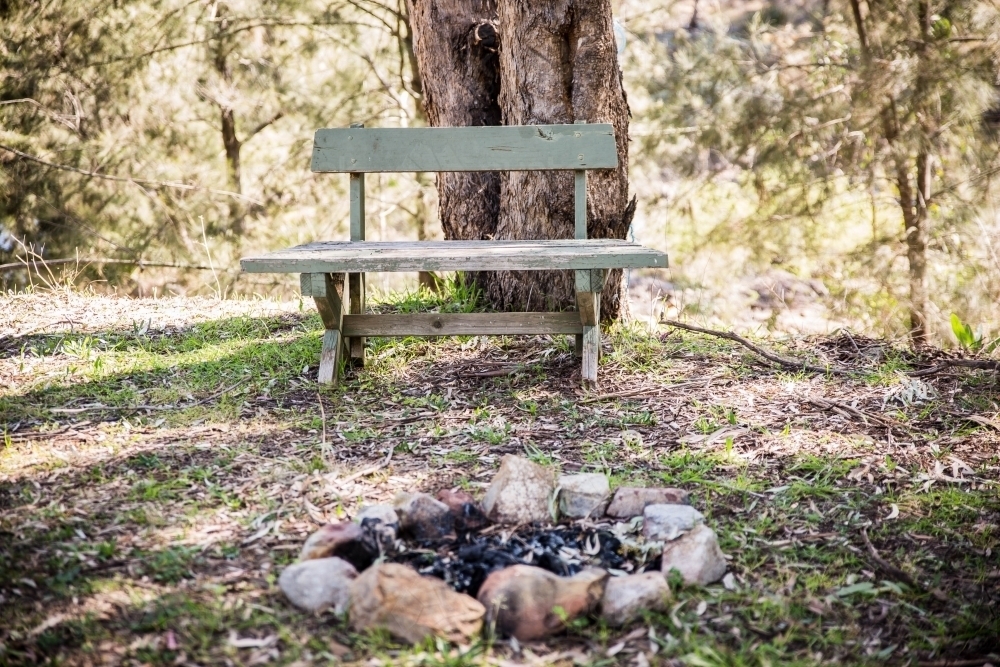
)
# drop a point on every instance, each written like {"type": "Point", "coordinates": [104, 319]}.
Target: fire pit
{"type": "Point", "coordinates": [539, 550]}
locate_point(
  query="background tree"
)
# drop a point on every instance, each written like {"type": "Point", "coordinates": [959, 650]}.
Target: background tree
{"type": "Point", "coordinates": [875, 117]}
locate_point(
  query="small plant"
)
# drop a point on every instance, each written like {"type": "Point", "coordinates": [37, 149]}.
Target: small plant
{"type": "Point", "coordinates": [972, 340]}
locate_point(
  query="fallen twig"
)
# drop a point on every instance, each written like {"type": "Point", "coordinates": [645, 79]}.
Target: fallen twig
{"type": "Point", "coordinates": [975, 364]}
{"type": "Point", "coordinates": [370, 470]}
{"type": "Point", "coordinates": [966, 662]}
{"type": "Point", "coordinates": [785, 362]}
{"type": "Point", "coordinates": [646, 392]}
{"type": "Point", "coordinates": [886, 565]}
{"type": "Point", "coordinates": [846, 410]}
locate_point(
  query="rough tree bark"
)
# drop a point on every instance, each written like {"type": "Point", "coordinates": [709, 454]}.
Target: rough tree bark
{"type": "Point", "coordinates": [559, 64]}
{"type": "Point", "coordinates": [455, 45]}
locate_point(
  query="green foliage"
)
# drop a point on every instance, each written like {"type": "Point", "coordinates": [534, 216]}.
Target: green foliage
{"type": "Point", "coordinates": [789, 147]}
{"type": "Point", "coordinates": [969, 339]}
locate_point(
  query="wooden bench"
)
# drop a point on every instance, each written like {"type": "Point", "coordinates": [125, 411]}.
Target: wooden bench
{"type": "Point", "coordinates": [333, 272]}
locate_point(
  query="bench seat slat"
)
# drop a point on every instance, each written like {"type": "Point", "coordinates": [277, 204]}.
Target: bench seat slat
{"type": "Point", "coordinates": [462, 324]}
{"type": "Point", "coordinates": [336, 256]}
{"type": "Point", "coordinates": [507, 148]}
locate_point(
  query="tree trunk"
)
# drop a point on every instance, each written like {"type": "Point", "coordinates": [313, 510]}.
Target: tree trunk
{"type": "Point", "coordinates": [455, 45]}
{"type": "Point", "coordinates": [220, 48]}
{"type": "Point", "coordinates": [559, 64]}
{"type": "Point", "coordinates": [914, 206]}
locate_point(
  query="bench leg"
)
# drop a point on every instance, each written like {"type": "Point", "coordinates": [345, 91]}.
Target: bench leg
{"type": "Point", "coordinates": [591, 354]}
{"type": "Point", "coordinates": [578, 345]}
{"type": "Point", "coordinates": [356, 345]}
{"type": "Point", "coordinates": [588, 302]}
{"type": "Point", "coordinates": [329, 298]}
{"type": "Point", "coordinates": [330, 357]}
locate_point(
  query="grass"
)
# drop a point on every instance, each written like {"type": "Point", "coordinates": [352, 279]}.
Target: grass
{"type": "Point", "coordinates": [154, 482]}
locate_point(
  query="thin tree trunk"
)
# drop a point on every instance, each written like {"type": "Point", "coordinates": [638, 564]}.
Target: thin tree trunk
{"type": "Point", "coordinates": [916, 252]}
{"type": "Point", "coordinates": [914, 206]}
{"type": "Point", "coordinates": [221, 47]}
{"type": "Point", "coordinates": [455, 44]}
{"type": "Point", "coordinates": [232, 146]}
{"type": "Point", "coordinates": [559, 64]}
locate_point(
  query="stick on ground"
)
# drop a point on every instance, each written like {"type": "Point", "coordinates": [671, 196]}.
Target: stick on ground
{"type": "Point", "coordinates": [784, 362]}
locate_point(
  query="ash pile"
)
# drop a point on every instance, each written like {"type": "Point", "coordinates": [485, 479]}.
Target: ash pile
{"type": "Point", "coordinates": [538, 551]}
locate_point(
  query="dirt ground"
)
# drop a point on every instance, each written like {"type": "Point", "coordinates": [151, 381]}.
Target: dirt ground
{"type": "Point", "coordinates": [163, 460]}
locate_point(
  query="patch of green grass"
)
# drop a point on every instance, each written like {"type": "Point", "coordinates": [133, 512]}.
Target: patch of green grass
{"type": "Point", "coordinates": [169, 565]}
{"type": "Point", "coordinates": [455, 296]}
{"type": "Point", "coordinates": [244, 353]}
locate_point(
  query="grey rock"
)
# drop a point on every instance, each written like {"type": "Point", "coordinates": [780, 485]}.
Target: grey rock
{"type": "Point", "coordinates": [318, 584]}
{"type": "Point", "coordinates": [520, 492]}
{"type": "Point", "coordinates": [381, 524]}
{"type": "Point", "coordinates": [629, 501]}
{"type": "Point", "coordinates": [424, 517]}
{"type": "Point", "coordinates": [696, 555]}
{"type": "Point", "coordinates": [583, 495]}
{"type": "Point", "coordinates": [625, 598]}
{"type": "Point", "coordinates": [668, 522]}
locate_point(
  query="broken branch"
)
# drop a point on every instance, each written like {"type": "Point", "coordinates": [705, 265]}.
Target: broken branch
{"type": "Point", "coordinates": [784, 362]}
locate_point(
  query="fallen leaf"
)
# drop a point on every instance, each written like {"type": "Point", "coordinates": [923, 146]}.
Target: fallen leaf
{"type": "Point", "coordinates": [616, 649]}
{"type": "Point", "coordinates": [985, 421]}
{"type": "Point", "coordinates": [894, 513]}
{"type": "Point", "coordinates": [251, 642]}
{"type": "Point", "coordinates": [862, 587]}
{"type": "Point", "coordinates": [314, 512]}
{"type": "Point", "coordinates": [50, 622]}
{"type": "Point", "coordinates": [259, 534]}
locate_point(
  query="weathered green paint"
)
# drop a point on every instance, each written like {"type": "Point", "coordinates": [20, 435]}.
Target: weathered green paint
{"type": "Point", "coordinates": [509, 148]}
{"type": "Point", "coordinates": [329, 357]}
{"type": "Point", "coordinates": [333, 256]}
{"type": "Point", "coordinates": [331, 304]}
{"type": "Point", "coordinates": [462, 324]}
{"type": "Point", "coordinates": [580, 202]}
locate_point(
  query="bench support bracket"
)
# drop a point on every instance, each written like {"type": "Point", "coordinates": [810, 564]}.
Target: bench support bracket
{"type": "Point", "coordinates": [327, 290]}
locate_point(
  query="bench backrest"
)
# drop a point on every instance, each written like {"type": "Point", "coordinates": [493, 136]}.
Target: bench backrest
{"type": "Point", "coordinates": [358, 150]}
{"type": "Point", "coordinates": [509, 148]}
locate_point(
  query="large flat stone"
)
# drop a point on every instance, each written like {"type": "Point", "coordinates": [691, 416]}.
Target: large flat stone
{"type": "Point", "coordinates": [696, 555]}
{"type": "Point", "coordinates": [520, 492]}
{"type": "Point", "coordinates": [412, 607]}
{"type": "Point", "coordinates": [668, 522]}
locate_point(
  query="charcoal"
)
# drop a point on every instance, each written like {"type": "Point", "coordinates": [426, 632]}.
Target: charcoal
{"type": "Point", "coordinates": [465, 562]}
